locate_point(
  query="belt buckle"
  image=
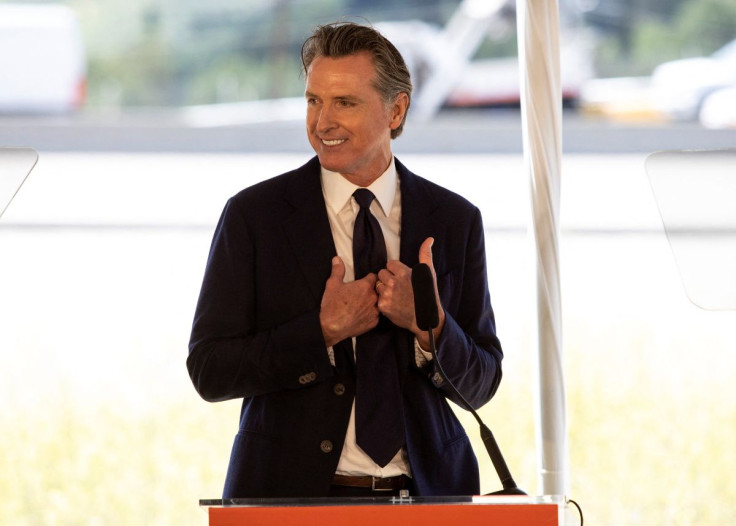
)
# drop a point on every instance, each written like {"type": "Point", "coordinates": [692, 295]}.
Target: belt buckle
{"type": "Point", "coordinates": [373, 485]}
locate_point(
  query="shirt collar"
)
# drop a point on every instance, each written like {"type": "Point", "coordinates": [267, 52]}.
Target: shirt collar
{"type": "Point", "coordinates": [338, 190]}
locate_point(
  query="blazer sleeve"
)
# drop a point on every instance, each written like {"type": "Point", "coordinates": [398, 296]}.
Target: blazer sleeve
{"type": "Point", "coordinates": [468, 349]}
{"type": "Point", "coordinates": [244, 341]}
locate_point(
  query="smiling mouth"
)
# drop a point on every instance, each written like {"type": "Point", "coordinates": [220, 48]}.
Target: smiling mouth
{"type": "Point", "coordinates": [333, 142]}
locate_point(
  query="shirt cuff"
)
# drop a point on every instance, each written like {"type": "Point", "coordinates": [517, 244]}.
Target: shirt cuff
{"type": "Point", "coordinates": [421, 356]}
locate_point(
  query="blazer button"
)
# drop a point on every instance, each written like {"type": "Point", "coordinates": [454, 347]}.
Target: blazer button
{"type": "Point", "coordinates": [339, 389]}
{"type": "Point", "coordinates": [326, 446]}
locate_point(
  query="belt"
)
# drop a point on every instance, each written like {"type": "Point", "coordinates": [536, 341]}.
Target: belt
{"type": "Point", "coordinates": [374, 483]}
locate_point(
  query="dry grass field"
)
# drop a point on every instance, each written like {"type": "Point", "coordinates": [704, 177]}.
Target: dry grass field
{"type": "Point", "coordinates": [101, 258]}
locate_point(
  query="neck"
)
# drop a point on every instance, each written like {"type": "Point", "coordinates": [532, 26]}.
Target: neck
{"type": "Point", "coordinates": [364, 181]}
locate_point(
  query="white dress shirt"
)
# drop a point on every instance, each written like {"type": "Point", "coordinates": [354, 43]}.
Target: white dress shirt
{"type": "Point", "coordinates": [341, 211]}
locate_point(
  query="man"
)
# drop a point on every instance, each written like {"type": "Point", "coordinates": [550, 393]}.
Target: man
{"type": "Point", "coordinates": [283, 323]}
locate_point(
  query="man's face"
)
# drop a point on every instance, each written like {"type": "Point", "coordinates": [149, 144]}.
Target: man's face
{"type": "Point", "coordinates": [348, 124]}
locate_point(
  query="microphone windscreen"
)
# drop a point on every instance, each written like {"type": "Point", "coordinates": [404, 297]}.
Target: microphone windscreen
{"type": "Point", "coordinates": [425, 302]}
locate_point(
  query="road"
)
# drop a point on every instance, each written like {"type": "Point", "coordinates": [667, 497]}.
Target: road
{"type": "Point", "coordinates": [452, 132]}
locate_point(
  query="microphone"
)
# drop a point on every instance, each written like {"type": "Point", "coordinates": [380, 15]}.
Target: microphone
{"type": "Point", "coordinates": [427, 317]}
{"type": "Point", "coordinates": [425, 303]}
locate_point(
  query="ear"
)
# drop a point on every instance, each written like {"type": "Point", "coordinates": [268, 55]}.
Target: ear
{"type": "Point", "coordinates": [398, 110]}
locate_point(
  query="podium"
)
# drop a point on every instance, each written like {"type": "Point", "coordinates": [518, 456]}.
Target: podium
{"type": "Point", "coordinates": [15, 166]}
{"type": "Point", "coordinates": [695, 191]}
{"type": "Point", "coordinates": [388, 511]}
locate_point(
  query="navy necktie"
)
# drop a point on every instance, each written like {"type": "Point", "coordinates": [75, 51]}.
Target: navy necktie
{"type": "Point", "coordinates": [379, 418]}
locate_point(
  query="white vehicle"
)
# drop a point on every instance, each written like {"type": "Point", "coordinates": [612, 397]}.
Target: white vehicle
{"type": "Point", "coordinates": [42, 59]}
{"type": "Point", "coordinates": [679, 87]}
{"type": "Point", "coordinates": [719, 109]}
{"type": "Point", "coordinates": [444, 71]}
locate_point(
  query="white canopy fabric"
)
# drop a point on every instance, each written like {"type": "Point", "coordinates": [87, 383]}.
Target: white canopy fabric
{"type": "Point", "coordinates": [541, 112]}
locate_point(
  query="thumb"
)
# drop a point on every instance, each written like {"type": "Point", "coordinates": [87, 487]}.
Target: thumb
{"type": "Point", "coordinates": [338, 269]}
{"type": "Point", "coordinates": [425, 253]}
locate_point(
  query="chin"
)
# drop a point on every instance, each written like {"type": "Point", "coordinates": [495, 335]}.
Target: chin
{"type": "Point", "coordinates": [330, 163]}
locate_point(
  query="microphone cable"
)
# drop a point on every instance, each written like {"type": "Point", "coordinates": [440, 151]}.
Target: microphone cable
{"type": "Point", "coordinates": [427, 317]}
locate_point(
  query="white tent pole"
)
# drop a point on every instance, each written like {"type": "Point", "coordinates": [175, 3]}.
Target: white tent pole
{"type": "Point", "coordinates": [541, 112]}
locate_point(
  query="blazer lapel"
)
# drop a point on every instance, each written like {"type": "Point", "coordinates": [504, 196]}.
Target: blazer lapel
{"type": "Point", "coordinates": [308, 228]}
{"type": "Point", "coordinates": [418, 205]}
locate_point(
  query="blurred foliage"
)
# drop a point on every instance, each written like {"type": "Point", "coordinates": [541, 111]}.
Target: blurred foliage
{"type": "Point", "coordinates": [143, 75]}
{"type": "Point", "coordinates": [174, 53]}
{"type": "Point", "coordinates": [695, 28]}
{"type": "Point", "coordinates": [169, 52]}
{"type": "Point", "coordinates": [706, 25]}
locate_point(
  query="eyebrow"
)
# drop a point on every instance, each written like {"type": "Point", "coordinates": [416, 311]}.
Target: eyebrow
{"type": "Point", "coordinates": [349, 98]}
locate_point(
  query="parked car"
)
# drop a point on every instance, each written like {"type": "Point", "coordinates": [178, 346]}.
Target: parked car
{"type": "Point", "coordinates": [42, 59]}
{"type": "Point", "coordinates": [719, 109]}
{"type": "Point", "coordinates": [679, 87]}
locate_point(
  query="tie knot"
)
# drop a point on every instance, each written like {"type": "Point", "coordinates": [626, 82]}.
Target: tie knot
{"type": "Point", "coordinates": [364, 197]}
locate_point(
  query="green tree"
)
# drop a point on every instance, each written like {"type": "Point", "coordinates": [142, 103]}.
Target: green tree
{"type": "Point", "coordinates": [706, 25]}
{"type": "Point", "coordinates": [696, 28]}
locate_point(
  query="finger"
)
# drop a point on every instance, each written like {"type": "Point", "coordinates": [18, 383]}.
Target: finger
{"type": "Point", "coordinates": [393, 268]}
{"type": "Point", "coordinates": [338, 269]}
{"type": "Point", "coordinates": [384, 275]}
{"type": "Point", "coordinates": [425, 252]}
{"type": "Point", "coordinates": [383, 286]}
{"type": "Point", "coordinates": [425, 256]}
{"type": "Point", "coordinates": [370, 280]}
{"type": "Point", "coordinates": [386, 283]}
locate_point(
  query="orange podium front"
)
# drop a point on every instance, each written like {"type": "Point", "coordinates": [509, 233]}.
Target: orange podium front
{"type": "Point", "coordinates": [388, 511]}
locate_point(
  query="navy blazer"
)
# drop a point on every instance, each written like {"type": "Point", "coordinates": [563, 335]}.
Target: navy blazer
{"type": "Point", "coordinates": [256, 335]}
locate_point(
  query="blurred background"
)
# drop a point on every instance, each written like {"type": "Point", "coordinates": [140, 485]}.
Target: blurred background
{"type": "Point", "coordinates": [148, 114]}
{"type": "Point", "coordinates": [624, 59]}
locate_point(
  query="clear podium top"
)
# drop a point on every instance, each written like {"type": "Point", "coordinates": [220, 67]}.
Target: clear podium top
{"type": "Point", "coordinates": [386, 501]}
{"type": "Point", "coordinates": [695, 192]}
{"type": "Point", "coordinates": [15, 165]}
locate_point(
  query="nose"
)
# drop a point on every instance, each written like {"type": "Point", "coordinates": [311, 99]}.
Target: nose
{"type": "Point", "coordinates": [324, 118]}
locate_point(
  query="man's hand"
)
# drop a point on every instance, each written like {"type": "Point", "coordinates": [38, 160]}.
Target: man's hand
{"type": "Point", "coordinates": [396, 295]}
{"type": "Point", "coordinates": [347, 309]}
